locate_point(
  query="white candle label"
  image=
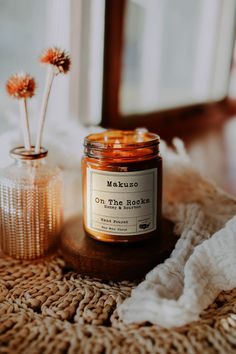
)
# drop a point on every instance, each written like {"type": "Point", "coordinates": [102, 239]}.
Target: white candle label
{"type": "Point", "coordinates": [122, 203]}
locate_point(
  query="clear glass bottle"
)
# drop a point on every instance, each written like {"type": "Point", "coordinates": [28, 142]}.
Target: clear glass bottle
{"type": "Point", "coordinates": [122, 186]}
{"type": "Point", "coordinates": [30, 205]}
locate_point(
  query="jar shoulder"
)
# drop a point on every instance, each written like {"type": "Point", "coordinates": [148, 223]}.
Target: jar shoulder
{"type": "Point", "coordinates": [30, 174]}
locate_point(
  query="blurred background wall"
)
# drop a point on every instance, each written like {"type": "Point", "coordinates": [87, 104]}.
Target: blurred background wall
{"type": "Point", "coordinates": [168, 65]}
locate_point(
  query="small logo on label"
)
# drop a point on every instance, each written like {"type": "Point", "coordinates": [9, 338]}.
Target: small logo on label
{"type": "Point", "coordinates": [144, 226]}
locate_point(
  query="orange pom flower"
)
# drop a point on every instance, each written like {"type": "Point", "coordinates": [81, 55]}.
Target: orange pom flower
{"type": "Point", "coordinates": [21, 86]}
{"type": "Point", "coordinates": [58, 58]}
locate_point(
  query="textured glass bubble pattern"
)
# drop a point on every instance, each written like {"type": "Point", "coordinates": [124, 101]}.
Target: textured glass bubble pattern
{"type": "Point", "coordinates": [30, 208]}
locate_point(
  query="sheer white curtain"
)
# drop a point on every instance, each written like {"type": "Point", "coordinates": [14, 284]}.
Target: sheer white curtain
{"type": "Point", "coordinates": [28, 26]}
{"type": "Point", "coordinates": [78, 25]}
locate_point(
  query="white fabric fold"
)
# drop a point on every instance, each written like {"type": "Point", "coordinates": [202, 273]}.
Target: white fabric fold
{"type": "Point", "coordinates": [203, 262]}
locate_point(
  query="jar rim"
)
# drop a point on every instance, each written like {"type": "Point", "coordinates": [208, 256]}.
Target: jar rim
{"type": "Point", "coordinates": [20, 153]}
{"type": "Point", "coordinates": [117, 139]}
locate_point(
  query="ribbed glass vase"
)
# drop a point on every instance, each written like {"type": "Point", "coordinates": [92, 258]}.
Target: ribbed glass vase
{"type": "Point", "coordinates": [30, 205]}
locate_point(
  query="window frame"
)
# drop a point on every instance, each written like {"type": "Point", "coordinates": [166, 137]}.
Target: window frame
{"type": "Point", "coordinates": [166, 122]}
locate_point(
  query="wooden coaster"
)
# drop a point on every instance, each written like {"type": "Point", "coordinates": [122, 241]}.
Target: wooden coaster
{"type": "Point", "coordinates": [114, 261]}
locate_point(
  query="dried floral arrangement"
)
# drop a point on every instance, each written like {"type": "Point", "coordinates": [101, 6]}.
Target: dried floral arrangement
{"type": "Point", "coordinates": [22, 87]}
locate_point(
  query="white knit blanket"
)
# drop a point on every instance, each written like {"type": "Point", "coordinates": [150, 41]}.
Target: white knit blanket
{"type": "Point", "coordinates": [203, 262]}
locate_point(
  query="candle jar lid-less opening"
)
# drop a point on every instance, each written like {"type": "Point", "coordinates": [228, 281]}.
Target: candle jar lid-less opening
{"type": "Point", "coordinates": [116, 144]}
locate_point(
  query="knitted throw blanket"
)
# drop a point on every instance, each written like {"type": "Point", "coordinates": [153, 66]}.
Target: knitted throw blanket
{"type": "Point", "coordinates": [203, 262]}
{"type": "Point", "coordinates": [47, 308]}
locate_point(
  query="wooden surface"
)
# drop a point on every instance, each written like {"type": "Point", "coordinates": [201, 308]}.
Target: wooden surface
{"type": "Point", "coordinates": [114, 261]}
{"type": "Point", "coordinates": [213, 153]}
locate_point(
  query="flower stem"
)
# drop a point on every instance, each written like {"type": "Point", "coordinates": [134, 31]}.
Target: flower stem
{"type": "Point", "coordinates": [48, 85]}
{"type": "Point", "coordinates": [25, 123]}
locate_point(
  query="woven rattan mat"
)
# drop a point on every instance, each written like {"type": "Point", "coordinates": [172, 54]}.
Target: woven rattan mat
{"type": "Point", "coordinates": [47, 308]}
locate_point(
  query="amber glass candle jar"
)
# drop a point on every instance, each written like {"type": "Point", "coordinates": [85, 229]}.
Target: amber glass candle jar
{"type": "Point", "coordinates": [122, 185]}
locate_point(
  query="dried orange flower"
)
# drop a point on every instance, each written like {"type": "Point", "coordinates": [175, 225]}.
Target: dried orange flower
{"type": "Point", "coordinates": [58, 58]}
{"type": "Point", "coordinates": [21, 86]}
